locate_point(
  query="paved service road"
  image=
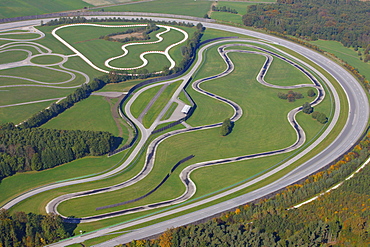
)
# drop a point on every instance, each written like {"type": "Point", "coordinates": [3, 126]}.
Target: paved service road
{"type": "Point", "coordinates": [356, 124]}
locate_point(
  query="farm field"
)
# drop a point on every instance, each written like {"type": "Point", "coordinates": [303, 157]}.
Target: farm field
{"type": "Point", "coordinates": [185, 7]}
{"type": "Point", "coordinates": [17, 8]}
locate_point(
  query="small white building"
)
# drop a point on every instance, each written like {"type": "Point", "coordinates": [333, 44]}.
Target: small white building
{"type": "Point", "coordinates": [186, 109]}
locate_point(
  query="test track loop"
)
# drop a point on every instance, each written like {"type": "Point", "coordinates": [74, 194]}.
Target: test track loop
{"type": "Point", "coordinates": [145, 61]}
{"type": "Point", "coordinates": [185, 174]}
{"type": "Point", "coordinates": [27, 62]}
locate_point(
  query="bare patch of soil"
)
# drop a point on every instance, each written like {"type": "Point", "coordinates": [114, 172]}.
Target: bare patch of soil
{"type": "Point", "coordinates": [128, 35]}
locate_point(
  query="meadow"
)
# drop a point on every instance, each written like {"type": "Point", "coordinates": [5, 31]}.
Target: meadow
{"type": "Point", "coordinates": [15, 8]}
{"type": "Point", "coordinates": [92, 113]}
{"type": "Point", "coordinates": [184, 7]}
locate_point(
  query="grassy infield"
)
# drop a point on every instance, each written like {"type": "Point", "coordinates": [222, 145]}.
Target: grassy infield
{"type": "Point", "coordinates": [260, 106]}
{"type": "Point", "coordinates": [89, 47]}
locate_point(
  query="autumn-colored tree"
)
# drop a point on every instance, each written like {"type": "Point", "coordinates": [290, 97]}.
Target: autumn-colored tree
{"type": "Point", "coordinates": [165, 239]}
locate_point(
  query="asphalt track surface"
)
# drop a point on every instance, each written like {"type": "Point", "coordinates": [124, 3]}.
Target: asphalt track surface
{"type": "Point", "coordinates": [355, 125]}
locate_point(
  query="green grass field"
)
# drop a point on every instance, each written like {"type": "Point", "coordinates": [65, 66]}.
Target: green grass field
{"type": "Point", "coordinates": [17, 114]}
{"type": "Point", "coordinates": [15, 8]}
{"type": "Point", "coordinates": [46, 59]}
{"type": "Point", "coordinates": [12, 56]}
{"type": "Point", "coordinates": [160, 103]}
{"type": "Point", "coordinates": [143, 99]}
{"type": "Point", "coordinates": [26, 94]}
{"type": "Point", "coordinates": [92, 113]}
{"type": "Point", "coordinates": [178, 7]}
{"type": "Point", "coordinates": [16, 184]}
{"type": "Point", "coordinates": [20, 36]}
{"type": "Point", "coordinates": [38, 74]}
{"type": "Point", "coordinates": [228, 17]}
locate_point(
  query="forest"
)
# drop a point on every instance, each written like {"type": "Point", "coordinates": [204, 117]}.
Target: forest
{"type": "Point", "coordinates": [38, 149]}
{"type": "Point", "coordinates": [338, 218]}
{"type": "Point", "coordinates": [345, 21]}
{"type": "Point", "coordinates": [31, 230]}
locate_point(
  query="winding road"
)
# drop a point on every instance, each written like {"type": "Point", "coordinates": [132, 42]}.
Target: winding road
{"type": "Point", "coordinates": [356, 123]}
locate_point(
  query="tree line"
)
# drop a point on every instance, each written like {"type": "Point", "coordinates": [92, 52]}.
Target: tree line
{"type": "Point", "coordinates": [339, 218]}
{"type": "Point", "coordinates": [145, 31]}
{"type": "Point", "coordinates": [30, 230]}
{"type": "Point", "coordinates": [38, 149]}
{"type": "Point", "coordinates": [340, 20]}
{"type": "Point", "coordinates": [224, 9]}
{"type": "Point", "coordinates": [81, 19]}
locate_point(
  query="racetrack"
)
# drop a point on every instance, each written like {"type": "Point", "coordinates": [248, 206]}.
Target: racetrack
{"type": "Point", "coordinates": [356, 123]}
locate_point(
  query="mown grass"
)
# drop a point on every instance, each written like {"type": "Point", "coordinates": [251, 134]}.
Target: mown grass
{"type": "Point", "coordinates": [17, 114]}
{"type": "Point", "coordinates": [38, 74]}
{"type": "Point", "coordinates": [283, 74]}
{"type": "Point", "coordinates": [93, 113]}
{"type": "Point", "coordinates": [178, 7]}
{"type": "Point", "coordinates": [47, 59]}
{"type": "Point", "coordinates": [20, 36]}
{"type": "Point", "coordinates": [12, 56]}
{"type": "Point", "coordinates": [143, 100]}
{"type": "Point", "coordinates": [225, 16]}
{"type": "Point", "coordinates": [78, 64]}
{"type": "Point", "coordinates": [18, 183]}
{"type": "Point", "coordinates": [26, 94]}
{"type": "Point", "coordinates": [160, 103]}
{"type": "Point", "coordinates": [51, 42]}
{"type": "Point", "coordinates": [15, 8]}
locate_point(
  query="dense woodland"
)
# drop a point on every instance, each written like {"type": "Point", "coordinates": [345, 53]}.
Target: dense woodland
{"type": "Point", "coordinates": [345, 21]}
{"type": "Point", "coordinates": [31, 230]}
{"type": "Point", "coordinates": [338, 218]}
{"type": "Point", "coordinates": [38, 149]}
